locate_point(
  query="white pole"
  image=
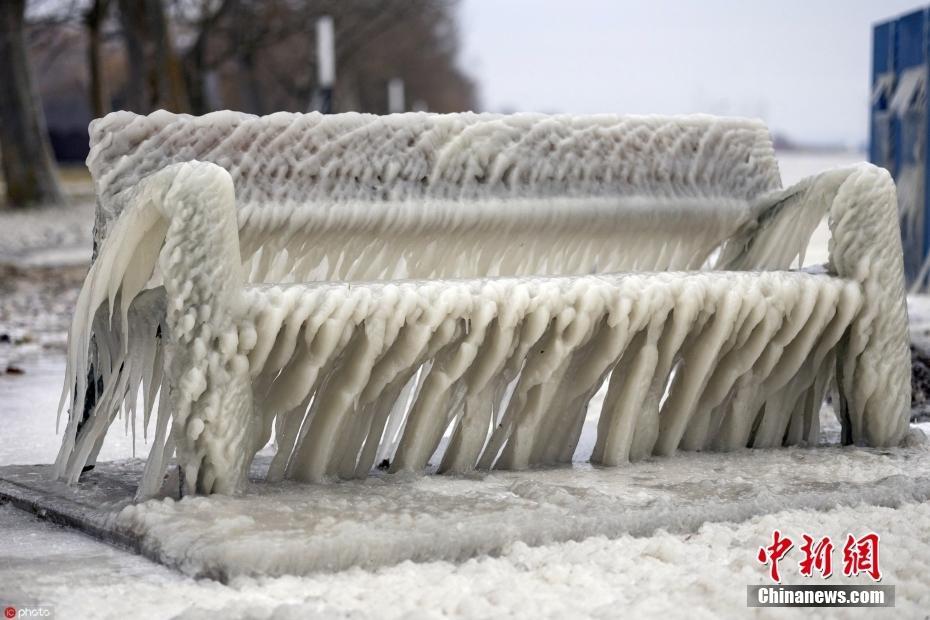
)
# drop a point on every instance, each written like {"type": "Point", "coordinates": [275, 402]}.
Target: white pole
{"type": "Point", "coordinates": [396, 96]}
{"type": "Point", "coordinates": [326, 61]}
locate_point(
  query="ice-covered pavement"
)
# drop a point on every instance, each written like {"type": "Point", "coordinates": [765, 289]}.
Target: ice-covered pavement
{"type": "Point", "coordinates": [28, 406]}
{"type": "Point", "coordinates": [699, 575]}
{"type": "Point", "coordinates": [291, 528]}
{"type": "Point", "coordinates": [48, 235]}
{"type": "Point", "coordinates": [294, 529]}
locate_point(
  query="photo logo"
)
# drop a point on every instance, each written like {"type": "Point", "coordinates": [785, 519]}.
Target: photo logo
{"type": "Point", "coordinates": [27, 611]}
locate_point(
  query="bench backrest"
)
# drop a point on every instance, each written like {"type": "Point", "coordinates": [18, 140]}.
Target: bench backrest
{"type": "Point", "coordinates": [359, 196]}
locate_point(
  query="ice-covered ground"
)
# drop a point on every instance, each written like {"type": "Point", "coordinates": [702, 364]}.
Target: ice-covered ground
{"type": "Point", "coordinates": [47, 236]}
{"type": "Point", "coordinates": [699, 575]}
{"type": "Point", "coordinates": [284, 528]}
{"type": "Point", "coordinates": [696, 573]}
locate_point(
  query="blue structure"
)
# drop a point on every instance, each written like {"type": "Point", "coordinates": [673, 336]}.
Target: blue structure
{"type": "Point", "coordinates": [898, 134]}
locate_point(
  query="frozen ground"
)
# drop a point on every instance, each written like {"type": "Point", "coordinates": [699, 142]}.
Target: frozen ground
{"type": "Point", "coordinates": [699, 575]}
{"type": "Point", "coordinates": [700, 571]}
{"type": "Point", "coordinates": [48, 236]}
{"type": "Point", "coordinates": [284, 529]}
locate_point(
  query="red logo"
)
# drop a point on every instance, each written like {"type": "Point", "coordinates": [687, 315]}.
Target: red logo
{"type": "Point", "coordinates": [817, 557]}
{"type": "Point", "coordinates": [860, 555]}
{"type": "Point", "coordinates": [10, 612]}
{"type": "Point", "coordinates": [774, 552]}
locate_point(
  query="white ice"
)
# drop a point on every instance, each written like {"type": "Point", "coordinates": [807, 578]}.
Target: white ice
{"type": "Point", "coordinates": [348, 373]}
{"type": "Point", "coordinates": [702, 574]}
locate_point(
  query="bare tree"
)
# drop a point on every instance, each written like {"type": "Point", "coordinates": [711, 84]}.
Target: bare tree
{"type": "Point", "coordinates": [266, 52]}
{"type": "Point", "coordinates": [28, 167]}
{"type": "Point", "coordinates": [155, 77]}
{"type": "Point", "coordinates": [200, 18]}
{"type": "Point", "coordinates": [132, 18]}
{"type": "Point", "coordinates": [93, 21]}
{"type": "Point", "coordinates": [54, 28]}
{"type": "Point", "coordinates": [253, 55]}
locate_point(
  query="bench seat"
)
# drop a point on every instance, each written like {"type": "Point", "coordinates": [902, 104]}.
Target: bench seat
{"type": "Point", "coordinates": [754, 352]}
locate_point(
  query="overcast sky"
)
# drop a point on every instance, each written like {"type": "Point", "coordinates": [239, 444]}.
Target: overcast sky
{"type": "Point", "coordinates": [802, 65]}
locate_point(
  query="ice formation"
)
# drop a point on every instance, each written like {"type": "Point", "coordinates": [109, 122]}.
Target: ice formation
{"type": "Point", "coordinates": [360, 287]}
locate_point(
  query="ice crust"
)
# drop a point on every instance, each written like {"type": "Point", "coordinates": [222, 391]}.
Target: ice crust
{"type": "Point", "coordinates": [287, 528]}
{"type": "Point", "coordinates": [698, 574]}
{"type": "Point", "coordinates": [330, 284]}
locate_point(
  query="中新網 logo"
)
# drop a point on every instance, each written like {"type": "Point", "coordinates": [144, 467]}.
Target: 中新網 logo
{"type": "Point", "coordinates": [860, 556]}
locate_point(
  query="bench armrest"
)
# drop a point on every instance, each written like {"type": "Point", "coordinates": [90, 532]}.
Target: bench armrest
{"type": "Point", "coordinates": [182, 219]}
{"type": "Point", "coordinates": [860, 202]}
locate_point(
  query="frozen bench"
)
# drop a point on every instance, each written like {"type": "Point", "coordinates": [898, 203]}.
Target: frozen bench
{"type": "Point", "coordinates": [363, 287]}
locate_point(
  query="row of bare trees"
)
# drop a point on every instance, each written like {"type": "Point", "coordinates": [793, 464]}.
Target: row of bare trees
{"type": "Point", "coordinates": [196, 56]}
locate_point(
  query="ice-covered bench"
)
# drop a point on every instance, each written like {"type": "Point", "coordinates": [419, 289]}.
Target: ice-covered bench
{"type": "Point", "coordinates": [363, 287]}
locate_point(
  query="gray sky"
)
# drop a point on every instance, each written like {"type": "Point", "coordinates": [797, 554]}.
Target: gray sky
{"type": "Point", "coordinates": [802, 65]}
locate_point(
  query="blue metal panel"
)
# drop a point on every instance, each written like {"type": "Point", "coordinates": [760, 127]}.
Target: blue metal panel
{"type": "Point", "coordinates": [882, 48]}
{"type": "Point", "coordinates": [882, 62]}
{"type": "Point", "coordinates": [899, 130]}
{"type": "Point", "coordinates": [909, 31]}
{"type": "Point", "coordinates": [925, 167]}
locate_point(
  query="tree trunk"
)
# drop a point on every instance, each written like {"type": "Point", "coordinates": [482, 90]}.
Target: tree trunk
{"type": "Point", "coordinates": [155, 76]}
{"type": "Point", "coordinates": [99, 94]}
{"type": "Point", "coordinates": [199, 77]}
{"type": "Point", "coordinates": [250, 89]}
{"type": "Point", "coordinates": [28, 167]}
{"type": "Point", "coordinates": [195, 76]}
{"type": "Point", "coordinates": [132, 18]}
{"type": "Point", "coordinates": [170, 92]}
